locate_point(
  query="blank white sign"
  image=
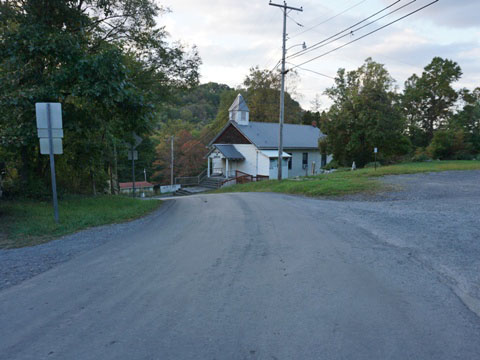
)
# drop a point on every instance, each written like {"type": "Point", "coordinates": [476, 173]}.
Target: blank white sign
{"type": "Point", "coordinates": [55, 115]}
{"type": "Point", "coordinates": [45, 146]}
{"type": "Point", "coordinates": [135, 155]}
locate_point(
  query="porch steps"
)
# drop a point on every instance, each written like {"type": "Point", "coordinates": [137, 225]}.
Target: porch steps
{"type": "Point", "coordinates": [182, 192]}
{"type": "Point", "coordinates": [192, 190]}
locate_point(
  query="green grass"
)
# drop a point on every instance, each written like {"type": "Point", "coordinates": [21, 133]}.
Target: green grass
{"type": "Point", "coordinates": [29, 222]}
{"type": "Point", "coordinates": [344, 181]}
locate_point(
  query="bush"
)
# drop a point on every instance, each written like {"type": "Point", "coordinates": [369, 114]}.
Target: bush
{"type": "Point", "coordinates": [372, 164]}
{"type": "Point", "coordinates": [421, 155]}
{"type": "Point", "coordinates": [331, 165]}
{"type": "Point", "coordinates": [464, 156]}
{"type": "Point", "coordinates": [449, 144]}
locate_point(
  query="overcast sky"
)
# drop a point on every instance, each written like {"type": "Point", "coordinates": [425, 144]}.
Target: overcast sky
{"type": "Point", "coordinates": [233, 36]}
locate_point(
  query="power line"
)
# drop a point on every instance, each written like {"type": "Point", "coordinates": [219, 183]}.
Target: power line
{"type": "Point", "coordinates": [295, 21]}
{"type": "Point", "coordinates": [370, 33]}
{"type": "Point", "coordinates": [312, 71]}
{"type": "Point", "coordinates": [351, 33]}
{"type": "Point", "coordinates": [329, 19]}
{"type": "Point", "coordinates": [335, 38]}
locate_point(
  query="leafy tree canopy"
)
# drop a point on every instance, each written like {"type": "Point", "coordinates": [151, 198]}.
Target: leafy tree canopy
{"type": "Point", "coordinates": [106, 61]}
{"type": "Point", "coordinates": [428, 100]}
{"type": "Point", "coordinates": [364, 115]}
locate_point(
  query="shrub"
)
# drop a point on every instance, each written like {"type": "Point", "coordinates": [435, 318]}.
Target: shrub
{"type": "Point", "coordinates": [464, 156]}
{"type": "Point", "coordinates": [331, 165]}
{"type": "Point", "coordinates": [421, 155]}
{"type": "Point", "coordinates": [372, 164]}
{"type": "Point", "coordinates": [449, 144]}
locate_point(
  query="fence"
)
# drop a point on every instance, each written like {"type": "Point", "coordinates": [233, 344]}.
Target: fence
{"type": "Point", "coordinates": [191, 180]}
{"type": "Point", "coordinates": [243, 178]}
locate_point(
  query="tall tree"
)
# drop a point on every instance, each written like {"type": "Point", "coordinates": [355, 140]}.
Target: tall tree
{"type": "Point", "coordinates": [428, 100]}
{"type": "Point", "coordinates": [261, 90]}
{"type": "Point", "coordinates": [189, 155]}
{"type": "Point", "coordinates": [107, 63]}
{"type": "Point", "coordinates": [468, 119]}
{"type": "Point", "coordinates": [364, 115]}
{"type": "Point", "coordinates": [263, 96]}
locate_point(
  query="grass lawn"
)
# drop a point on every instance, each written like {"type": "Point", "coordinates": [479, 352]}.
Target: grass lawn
{"type": "Point", "coordinates": [29, 222]}
{"type": "Point", "coordinates": [344, 181]}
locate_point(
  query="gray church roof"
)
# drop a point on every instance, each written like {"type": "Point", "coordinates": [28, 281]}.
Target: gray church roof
{"type": "Point", "coordinates": [265, 135]}
{"type": "Point", "coordinates": [239, 104]}
{"type": "Point", "coordinates": [230, 152]}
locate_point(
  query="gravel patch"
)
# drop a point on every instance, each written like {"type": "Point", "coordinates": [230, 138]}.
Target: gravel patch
{"type": "Point", "coordinates": [435, 217]}
{"type": "Point", "coordinates": [17, 265]}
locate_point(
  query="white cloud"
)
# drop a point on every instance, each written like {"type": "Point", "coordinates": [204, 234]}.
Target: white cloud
{"type": "Point", "coordinates": [233, 36]}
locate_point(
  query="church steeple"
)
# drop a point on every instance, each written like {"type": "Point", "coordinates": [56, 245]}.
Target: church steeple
{"type": "Point", "coordinates": [239, 112]}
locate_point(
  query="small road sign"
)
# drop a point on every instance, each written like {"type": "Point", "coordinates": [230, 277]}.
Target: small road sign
{"type": "Point", "coordinates": [45, 146]}
{"type": "Point", "coordinates": [137, 140]}
{"type": "Point", "coordinates": [135, 155]}
{"type": "Point", "coordinates": [43, 112]}
{"type": "Point", "coordinates": [55, 115]}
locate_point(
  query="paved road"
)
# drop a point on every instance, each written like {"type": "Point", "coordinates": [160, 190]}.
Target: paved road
{"type": "Point", "coordinates": [257, 276]}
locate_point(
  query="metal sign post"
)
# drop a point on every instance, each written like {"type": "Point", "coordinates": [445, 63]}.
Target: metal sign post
{"type": "Point", "coordinates": [375, 150]}
{"type": "Point", "coordinates": [49, 118]}
{"type": "Point", "coordinates": [137, 140]}
{"type": "Point", "coordinates": [133, 172]}
{"type": "Point", "coordinates": [52, 164]}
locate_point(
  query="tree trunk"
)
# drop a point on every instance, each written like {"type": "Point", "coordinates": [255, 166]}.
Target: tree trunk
{"type": "Point", "coordinates": [24, 170]}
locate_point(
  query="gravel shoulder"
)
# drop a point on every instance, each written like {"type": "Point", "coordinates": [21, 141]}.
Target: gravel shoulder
{"type": "Point", "coordinates": [18, 265]}
{"type": "Point", "coordinates": [433, 216]}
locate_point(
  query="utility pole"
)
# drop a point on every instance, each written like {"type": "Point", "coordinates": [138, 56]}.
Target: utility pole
{"type": "Point", "coordinates": [282, 91]}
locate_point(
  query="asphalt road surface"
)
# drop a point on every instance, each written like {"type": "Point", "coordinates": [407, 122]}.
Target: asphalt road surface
{"type": "Point", "coordinates": [267, 276]}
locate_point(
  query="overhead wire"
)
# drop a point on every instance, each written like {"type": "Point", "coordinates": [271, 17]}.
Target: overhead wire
{"type": "Point", "coordinates": [352, 29]}
{"type": "Point", "coordinates": [312, 71]}
{"type": "Point", "coordinates": [368, 34]}
{"type": "Point", "coordinates": [327, 20]}
{"type": "Point", "coordinates": [295, 21]}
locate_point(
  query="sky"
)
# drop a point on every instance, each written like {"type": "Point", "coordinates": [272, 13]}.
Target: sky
{"type": "Point", "coordinates": [233, 36]}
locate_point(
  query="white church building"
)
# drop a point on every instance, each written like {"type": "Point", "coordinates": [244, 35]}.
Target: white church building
{"type": "Point", "coordinates": [252, 147]}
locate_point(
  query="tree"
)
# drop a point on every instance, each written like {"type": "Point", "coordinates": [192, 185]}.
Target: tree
{"type": "Point", "coordinates": [468, 119]}
{"type": "Point", "coordinates": [263, 97]}
{"type": "Point", "coordinates": [449, 144]}
{"type": "Point", "coordinates": [428, 100]}
{"type": "Point", "coordinates": [189, 155]}
{"type": "Point", "coordinates": [364, 115]}
{"type": "Point", "coordinates": [198, 105]}
{"type": "Point", "coordinates": [107, 63]}
{"type": "Point", "coordinates": [262, 94]}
